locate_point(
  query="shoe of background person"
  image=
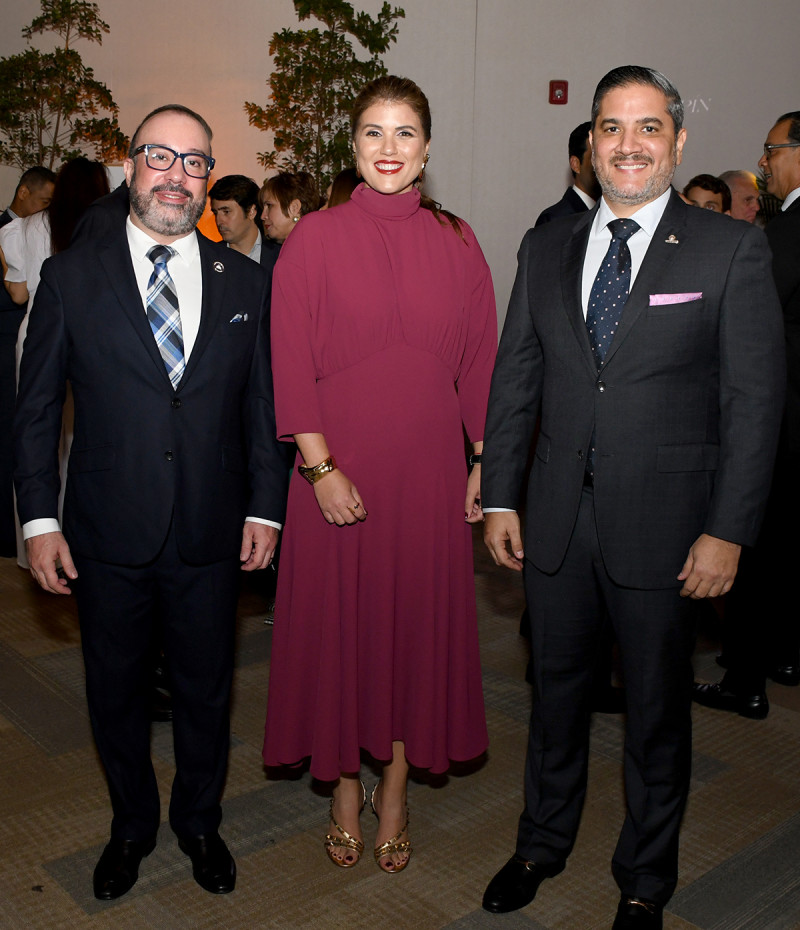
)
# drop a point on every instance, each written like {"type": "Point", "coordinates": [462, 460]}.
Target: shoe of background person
{"type": "Point", "coordinates": [754, 706]}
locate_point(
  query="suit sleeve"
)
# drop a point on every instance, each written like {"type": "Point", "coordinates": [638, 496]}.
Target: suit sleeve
{"type": "Point", "coordinates": [752, 389]}
{"type": "Point", "coordinates": [515, 396]}
{"type": "Point", "coordinates": [267, 459]}
{"type": "Point", "coordinates": [42, 388]}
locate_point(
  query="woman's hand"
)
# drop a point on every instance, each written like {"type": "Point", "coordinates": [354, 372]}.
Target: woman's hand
{"type": "Point", "coordinates": [472, 505]}
{"type": "Point", "coordinates": [338, 499]}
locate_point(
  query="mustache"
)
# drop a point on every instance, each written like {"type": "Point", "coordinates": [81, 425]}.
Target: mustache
{"type": "Point", "coordinates": [172, 188]}
{"type": "Point", "coordinates": [632, 159]}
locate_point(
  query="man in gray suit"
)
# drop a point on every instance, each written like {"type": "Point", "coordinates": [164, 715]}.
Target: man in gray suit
{"type": "Point", "coordinates": [659, 420]}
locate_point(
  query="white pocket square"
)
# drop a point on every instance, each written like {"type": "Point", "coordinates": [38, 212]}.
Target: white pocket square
{"type": "Point", "coordinates": [661, 300]}
{"type": "Point", "coordinates": [239, 318]}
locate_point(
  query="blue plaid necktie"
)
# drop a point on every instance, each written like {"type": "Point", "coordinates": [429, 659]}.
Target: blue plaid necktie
{"type": "Point", "coordinates": [164, 314]}
{"type": "Point", "coordinates": [610, 289]}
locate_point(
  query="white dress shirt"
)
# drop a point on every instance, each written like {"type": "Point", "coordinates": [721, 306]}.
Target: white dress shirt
{"type": "Point", "coordinates": [793, 195]}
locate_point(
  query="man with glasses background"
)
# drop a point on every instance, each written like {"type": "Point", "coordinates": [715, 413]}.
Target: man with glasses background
{"type": "Point", "coordinates": [175, 480]}
{"type": "Point", "coordinates": [761, 635]}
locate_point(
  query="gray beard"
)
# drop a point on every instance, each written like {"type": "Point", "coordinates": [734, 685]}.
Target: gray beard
{"type": "Point", "coordinates": [164, 218]}
{"type": "Point", "coordinates": [655, 187]}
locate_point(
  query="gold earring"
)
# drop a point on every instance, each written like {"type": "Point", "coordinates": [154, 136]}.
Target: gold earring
{"type": "Point", "coordinates": [424, 166]}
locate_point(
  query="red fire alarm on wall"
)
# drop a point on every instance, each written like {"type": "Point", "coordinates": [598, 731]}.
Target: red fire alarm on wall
{"type": "Point", "coordinates": [559, 91]}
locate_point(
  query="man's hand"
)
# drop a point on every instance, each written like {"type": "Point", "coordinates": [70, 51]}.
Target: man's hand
{"type": "Point", "coordinates": [44, 552]}
{"type": "Point", "coordinates": [709, 568]}
{"type": "Point", "coordinates": [258, 546]}
{"type": "Point", "coordinates": [502, 527]}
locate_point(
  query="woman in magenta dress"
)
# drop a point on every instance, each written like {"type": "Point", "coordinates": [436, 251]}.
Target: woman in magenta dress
{"type": "Point", "coordinates": [383, 338]}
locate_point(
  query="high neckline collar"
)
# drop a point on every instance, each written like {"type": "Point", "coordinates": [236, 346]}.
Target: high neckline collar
{"type": "Point", "coordinates": [388, 206]}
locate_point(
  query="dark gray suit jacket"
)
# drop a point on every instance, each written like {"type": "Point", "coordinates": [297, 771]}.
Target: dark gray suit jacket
{"type": "Point", "coordinates": [783, 233]}
{"type": "Point", "coordinates": [685, 412]}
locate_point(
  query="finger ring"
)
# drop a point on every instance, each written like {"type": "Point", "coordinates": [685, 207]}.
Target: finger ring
{"type": "Point", "coordinates": [356, 506]}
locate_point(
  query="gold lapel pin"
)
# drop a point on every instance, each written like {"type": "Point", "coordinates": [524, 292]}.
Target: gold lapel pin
{"type": "Point", "coordinates": [218, 266]}
{"type": "Point", "coordinates": [672, 239]}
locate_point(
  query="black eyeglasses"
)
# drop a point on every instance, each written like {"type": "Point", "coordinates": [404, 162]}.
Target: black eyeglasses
{"type": "Point", "coordinates": [769, 148]}
{"type": "Point", "coordinates": [162, 158]}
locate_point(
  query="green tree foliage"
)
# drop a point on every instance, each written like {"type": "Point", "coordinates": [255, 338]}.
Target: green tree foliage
{"type": "Point", "coordinates": [51, 104]}
{"type": "Point", "coordinates": [316, 77]}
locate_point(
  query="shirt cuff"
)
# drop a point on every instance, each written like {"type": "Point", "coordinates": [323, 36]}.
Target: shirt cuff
{"type": "Point", "coordinates": [40, 527]}
{"type": "Point", "coordinates": [278, 526]}
{"type": "Point", "coordinates": [498, 510]}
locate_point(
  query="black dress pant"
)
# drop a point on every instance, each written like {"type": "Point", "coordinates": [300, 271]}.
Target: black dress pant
{"type": "Point", "coordinates": [118, 606]}
{"type": "Point", "coordinates": [655, 631]}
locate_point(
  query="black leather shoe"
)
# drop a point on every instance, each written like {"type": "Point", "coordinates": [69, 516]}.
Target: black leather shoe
{"type": "Point", "coordinates": [516, 884]}
{"type": "Point", "coordinates": [638, 914]}
{"type": "Point", "coordinates": [117, 868]}
{"type": "Point", "coordinates": [754, 706]}
{"type": "Point", "coordinates": [785, 675]}
{"type": "Point", "coordinates": [212, 865]}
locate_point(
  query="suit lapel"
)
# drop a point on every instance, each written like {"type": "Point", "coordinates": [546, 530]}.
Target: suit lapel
{"type": "Point", "coordinates": [115, 257]}
{"type": "Point", "coordinates": [664, 249]}
{"type": "Point", "coordinates": [214, 278]}
{"type": "Point", "coordinates": [572, 256]}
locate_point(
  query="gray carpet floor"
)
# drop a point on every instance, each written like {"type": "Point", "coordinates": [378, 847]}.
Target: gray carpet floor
{"type": "Point", "coordinates": [740, 851]}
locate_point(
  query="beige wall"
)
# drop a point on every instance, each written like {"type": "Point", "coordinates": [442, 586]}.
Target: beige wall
{"type": "Point", "coordinates": [499, 148]}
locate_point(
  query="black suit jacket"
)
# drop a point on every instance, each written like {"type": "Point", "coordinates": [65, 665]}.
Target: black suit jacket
{"type": "Point", "coordinates": [143, 455]}
{"type": "Point", "coordinates": [685, 412]}
{"type": "Point", "coordinates": [783, 233]}
{"type": "Point", "coordinates": [569, 205]}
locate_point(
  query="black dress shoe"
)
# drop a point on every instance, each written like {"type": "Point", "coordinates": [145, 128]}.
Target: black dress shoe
{"type": "Point", "coordinates": [785, 675]}
{"type": "Point", "coordinates": [638, 914]}
{"type": "Point", "coordinates": [212, 865]}
{"type": "Point", "coordinates": [117, 868]}
{"type": "Point", "coordinates": [754, 706]}
{"type": "Point", "coordinates": [516, 884]}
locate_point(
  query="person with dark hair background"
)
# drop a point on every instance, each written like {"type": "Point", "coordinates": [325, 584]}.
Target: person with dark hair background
{"type": "Point", "coordinates": [27, 242]}
{"type": "Point", "coordinates": [341, 188]}
{"type": "Point", "coordinates": [235, 205]}
{"type": "Point", "coordinates": [384, 334]}
{"type": "Point", "coordinates": [33, 193]}
{"type": "Point", "coordinates": [585, 189]}
{"type": "Point", "coordinates": [708, 193]}
{"type": "Point", "coordinates": [286, 198]}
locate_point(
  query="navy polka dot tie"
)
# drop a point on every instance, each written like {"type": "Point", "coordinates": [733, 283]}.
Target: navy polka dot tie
{"type": "Point", "coordinates": [610, 289]}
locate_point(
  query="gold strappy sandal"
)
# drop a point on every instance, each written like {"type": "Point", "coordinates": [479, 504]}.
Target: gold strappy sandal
{"type": "Point", "coordinates": [344, 840]}
{"type": "Point", "coordinates": [393, 846]}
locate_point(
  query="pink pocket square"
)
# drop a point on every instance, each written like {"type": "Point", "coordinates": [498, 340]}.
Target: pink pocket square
{"type": "Point", "coordinates": [661, 300]}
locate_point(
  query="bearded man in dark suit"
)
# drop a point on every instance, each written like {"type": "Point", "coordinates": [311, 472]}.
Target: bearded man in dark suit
{"type": "Point", "coordinates": [631, 330]}
{"type": "Point", "coordinates": [175, 480]}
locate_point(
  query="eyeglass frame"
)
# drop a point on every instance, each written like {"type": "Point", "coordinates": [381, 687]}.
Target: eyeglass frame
{"type": "Point", "coordinates": [176, 155]}
{"type": "Point", "coordinates": [769, 147]}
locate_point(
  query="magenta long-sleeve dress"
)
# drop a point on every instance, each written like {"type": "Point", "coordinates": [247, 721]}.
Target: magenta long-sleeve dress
{"type": "Point", "coordinates": [384, 333]}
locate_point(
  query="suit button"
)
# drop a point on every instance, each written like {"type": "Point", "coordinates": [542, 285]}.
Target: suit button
{"type": "Point", "coordinates": [168, 456]}
{"type": "Point", "coordinates": [601, 386]}
{"type": "Point", "coordinates": [580, 455]}
{"type": "Point", "coordinates": [175, 403]}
